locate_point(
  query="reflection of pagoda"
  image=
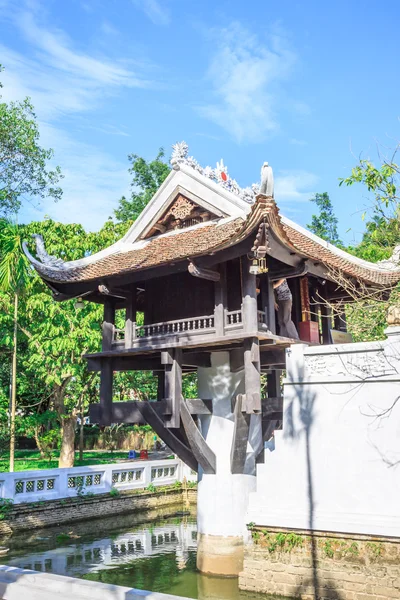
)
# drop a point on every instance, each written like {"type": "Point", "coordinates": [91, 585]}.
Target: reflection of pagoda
{"type": "Point", "coordinates": [194, 276]}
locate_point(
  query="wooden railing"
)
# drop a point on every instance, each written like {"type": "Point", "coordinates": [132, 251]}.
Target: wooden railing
{"type": "Point", "coordinates": [191, 325]}
{"type": "Point", "coordinates": [233, 319]}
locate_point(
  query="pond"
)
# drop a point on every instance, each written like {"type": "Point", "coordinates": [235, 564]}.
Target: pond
{"type": "Point", "coordinates": [153, 551]}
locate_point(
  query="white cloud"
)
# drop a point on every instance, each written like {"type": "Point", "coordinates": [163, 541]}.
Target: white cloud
{"type": "Point", "coordinates": [65, 84]}
{"type": "Point", "coordinates": [294, 186]}
{"type": "Point", "coordinates": [154, 11]}
{"type": "Point", "coordinates": [93, 182]}
{"type": "Point", "coordinates": [245, 76]}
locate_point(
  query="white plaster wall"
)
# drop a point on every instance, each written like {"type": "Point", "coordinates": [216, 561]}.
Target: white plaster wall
{"type": "Point", "coordinates": [335, 466]}
{"type": "Point", "coordinates": [19, 583]}
{"type": "Point", "coordinates": [223, 498]}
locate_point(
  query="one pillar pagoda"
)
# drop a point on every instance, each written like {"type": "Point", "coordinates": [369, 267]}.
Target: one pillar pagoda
{"type": "Point", "coordinates": [195, 277]}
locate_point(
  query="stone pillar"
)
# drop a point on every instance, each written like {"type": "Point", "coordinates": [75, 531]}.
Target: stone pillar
{"type": "Point", "coordinates": [223, 497]}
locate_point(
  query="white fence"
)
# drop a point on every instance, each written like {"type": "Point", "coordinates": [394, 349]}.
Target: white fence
{"type": "Point", "coordinates": [52, 484]}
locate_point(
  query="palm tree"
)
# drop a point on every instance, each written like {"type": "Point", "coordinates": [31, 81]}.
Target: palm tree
{"type": "Point", "coordinates": [13, 278]}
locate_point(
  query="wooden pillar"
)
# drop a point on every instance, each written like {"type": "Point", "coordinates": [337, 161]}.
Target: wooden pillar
{"type": "Point", "coordinates": [108, 323]}
{"type": "Point", "coordinates": [274, 384]}
{"type": "Point", "coordinates": [268, 302]}
{"type": "Point", "coordinates": [326, 322]}
{"type": "Point", "coordinates": [252, 377]}
{"type": "Point", "coordinates": [249, 297]}
{"type": "Point", "coordinates": [106, 391]}
{"type": "Point", "coordinates": [172, 361]}
{"type": "Point", "coordinates": [220, 296]}
{"type": "Point", "coordinates": [130, 320]}
{"type": "Point", "coordinates": [340, 322]}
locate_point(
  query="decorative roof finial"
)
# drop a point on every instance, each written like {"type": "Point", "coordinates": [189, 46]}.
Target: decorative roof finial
{"type": "Point", "coordinates": [267, 181]}
{"type": "Point", "coordinates": [45, 258]}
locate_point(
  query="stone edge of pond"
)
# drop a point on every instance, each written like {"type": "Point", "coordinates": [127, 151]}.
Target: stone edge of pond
{"type": "Point", "coordinates": [65, 510]}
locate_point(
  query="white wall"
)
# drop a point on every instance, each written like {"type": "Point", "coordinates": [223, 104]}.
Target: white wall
{"type": "Point", "coordinates": [19, 583]}
{"type": "Point", "coordinates": [333, 466]}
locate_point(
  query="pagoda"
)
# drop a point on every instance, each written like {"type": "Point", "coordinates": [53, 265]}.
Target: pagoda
{"type": "Point", "coordinates": [195, 278]}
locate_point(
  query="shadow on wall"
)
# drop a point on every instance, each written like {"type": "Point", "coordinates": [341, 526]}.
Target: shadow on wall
{"type": "Point", "coordinates": [299, 419]}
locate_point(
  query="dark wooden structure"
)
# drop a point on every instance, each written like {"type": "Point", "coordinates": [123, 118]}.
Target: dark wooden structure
{"type": "Point", "coordinates": [194, 276]}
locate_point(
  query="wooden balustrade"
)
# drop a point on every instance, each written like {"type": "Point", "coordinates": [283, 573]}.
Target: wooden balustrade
{"type": "Point", "coordinates": [191, 325]}
{"type": "Point", "coordinates": [233, 319]}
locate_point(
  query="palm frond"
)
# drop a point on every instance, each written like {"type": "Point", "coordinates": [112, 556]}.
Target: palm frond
{"type": "Point", "coordinates": [13, 265]}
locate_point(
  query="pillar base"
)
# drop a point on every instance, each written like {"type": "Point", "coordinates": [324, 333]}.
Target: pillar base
{"type": "Point", "coordinates": [220, 555]}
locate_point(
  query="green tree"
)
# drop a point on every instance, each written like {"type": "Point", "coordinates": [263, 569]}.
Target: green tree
{"type": "Point", "coordinates": [325, 223]}
{"type": "Point", "coordinates": [367, 317]}
{"type": "Point", "coordinates": [24, 173]}
{"type": "Point", "coordinates": [383, 215]}
{"type": "Point", "coordinates": [13, 279]}
{"type": "Point", "coordinates": [147, 178]}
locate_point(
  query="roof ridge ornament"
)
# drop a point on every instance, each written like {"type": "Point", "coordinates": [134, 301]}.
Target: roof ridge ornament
{"type": "Point", "coordinates": [219, 174]}
{"type": "Point", "coordinates": [267, 181]}
{"type": "Point", "coordinates": [44, 256]}
{"type": "Point", "coordinates": [392, 263]}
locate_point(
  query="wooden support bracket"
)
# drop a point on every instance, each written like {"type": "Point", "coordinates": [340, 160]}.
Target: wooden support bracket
{"type": "Point", "coordinates": [198, 445]}
{"type": "Point", "coordinates": [240, 435]}
{"type": "Point", "coordinates": [167, 435]}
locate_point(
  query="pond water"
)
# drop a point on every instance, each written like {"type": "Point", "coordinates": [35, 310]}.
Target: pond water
{"type": "Point", "coordinates": [154, 551]}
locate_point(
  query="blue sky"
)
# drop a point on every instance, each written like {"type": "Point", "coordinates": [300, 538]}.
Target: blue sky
{"type": "Point", "coordinates": [307, 86]}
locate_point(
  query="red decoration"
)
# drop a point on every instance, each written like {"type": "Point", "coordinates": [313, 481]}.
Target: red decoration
{"type": "Point", "coordinates": [224, 176]}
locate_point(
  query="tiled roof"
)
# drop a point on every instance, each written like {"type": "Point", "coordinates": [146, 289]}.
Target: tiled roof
{"type": "Point", "coordinates": [211, 237]}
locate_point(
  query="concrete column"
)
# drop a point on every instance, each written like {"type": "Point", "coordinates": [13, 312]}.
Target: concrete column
{"type": "Point", "coordinates": [223, 497]}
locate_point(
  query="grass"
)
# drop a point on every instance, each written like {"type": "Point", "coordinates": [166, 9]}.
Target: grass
{"type": "Point", "coordinates": [29, 460]}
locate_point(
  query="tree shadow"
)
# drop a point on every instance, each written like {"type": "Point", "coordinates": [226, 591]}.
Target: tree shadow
{"type": "Point", "coordinates": [299, 419]}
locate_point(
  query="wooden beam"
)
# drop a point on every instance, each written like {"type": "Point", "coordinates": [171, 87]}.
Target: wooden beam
{"type": "Point", "coordinates": [173, 384]}
{"type": "Point", "coordinates": [203, 273]}
{"type": "Point", "coordinates": [196, 359]}
{"type": "Point", "coordinates": [240, 436]}
{"type": "Point", "coordinates": [271, 357]}
{"type": "Point", "coordinates": [298, 271]}
{"type": "Point", "coordinates": [167, 435]}
{"type": "Point", "coordinates": [236, 359]}
{"type": "Point", "coordinates": [128, 412]}
{"type": "Point", "coordinates": [252, 377]}
{"type": "Point", "coordinates": [106, 393]}
{"type": "Point", "coordinates": [199, 447]}
{"type": "Point", "coordinates": [108, 323]}
{"type": "Point", "coordinates": [128, 363]}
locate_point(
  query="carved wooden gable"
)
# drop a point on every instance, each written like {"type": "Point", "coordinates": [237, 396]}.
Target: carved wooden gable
{"type": "Point", "coordinates": [181, 213]}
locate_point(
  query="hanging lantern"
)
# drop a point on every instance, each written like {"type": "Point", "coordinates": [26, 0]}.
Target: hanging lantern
{"type": "Point", "coordinates": [262, 262]}
{"type": "Point", "coordinates": [254, 267]}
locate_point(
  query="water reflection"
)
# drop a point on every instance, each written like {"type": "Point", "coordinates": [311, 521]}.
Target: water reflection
{"type": "Point", "coordinates": [158, 556]}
